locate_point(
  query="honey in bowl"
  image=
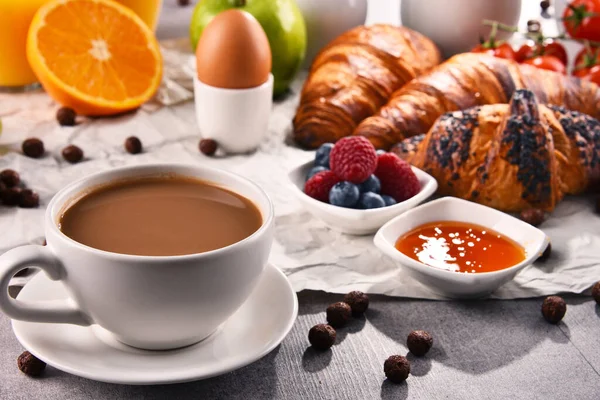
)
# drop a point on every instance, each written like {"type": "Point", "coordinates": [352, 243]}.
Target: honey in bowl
{"type": "Point", "coordinates": [460, 247]}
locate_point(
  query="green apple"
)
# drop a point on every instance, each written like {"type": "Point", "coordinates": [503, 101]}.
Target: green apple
{"type": "Point", "coordinates": [282, 22]}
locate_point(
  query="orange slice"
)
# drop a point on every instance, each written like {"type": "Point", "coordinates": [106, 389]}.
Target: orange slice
{"type": "Point", "coordinates": [95, 56]}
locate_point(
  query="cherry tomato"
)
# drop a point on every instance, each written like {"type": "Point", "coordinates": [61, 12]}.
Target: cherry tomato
{"type": "Point", "coordinates": [582, 19]}
{"type": "Point", "coordinates": [547, 62]}
{"type": "Point", "coordinates": [591, 74]}
{"type": "Point", "coordinates": [548, 47]}
{"type": "Point", "coordinates": [587, 59]}
{"type": "Point", "coordinates": [503, 50]}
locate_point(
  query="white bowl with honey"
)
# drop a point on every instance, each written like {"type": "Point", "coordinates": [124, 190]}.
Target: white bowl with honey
{"type": "Point", "coordinates": [459, 248]}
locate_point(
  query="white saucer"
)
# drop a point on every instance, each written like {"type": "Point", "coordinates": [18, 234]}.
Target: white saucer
{"type": "Point", "coordinates": [90, 352]}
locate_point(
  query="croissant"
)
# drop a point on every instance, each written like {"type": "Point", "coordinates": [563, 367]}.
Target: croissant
{"type": "Point", "coordinates": [510, 156]}
{"type": "Point", "coordinates": [467, 80]}
{"type": "Point", "coordinates": [354, 75]}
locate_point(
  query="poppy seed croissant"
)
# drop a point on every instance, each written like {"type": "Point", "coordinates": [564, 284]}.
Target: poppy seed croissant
{"type": "Point", "coordinates": [469, 80]}
{"type": "Point", "coordinates": [512, 156]}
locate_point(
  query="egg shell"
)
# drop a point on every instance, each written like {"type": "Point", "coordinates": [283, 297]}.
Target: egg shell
{"type": "Point", "coordinates": [233, 52]}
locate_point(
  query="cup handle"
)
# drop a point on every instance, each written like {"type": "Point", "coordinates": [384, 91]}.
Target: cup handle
{"type": "Point", "coordinates": [52, 311]}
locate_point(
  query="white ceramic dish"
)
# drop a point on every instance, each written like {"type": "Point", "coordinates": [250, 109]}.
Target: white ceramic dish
{"type": "Point", "coordinates": [253, 331]}
{"type": "Point", "coordinates": [357, 222]}
{"type": "Point", "coordinates": [453, 284]}
{"type": "Point", "coordinates": [237, 119]}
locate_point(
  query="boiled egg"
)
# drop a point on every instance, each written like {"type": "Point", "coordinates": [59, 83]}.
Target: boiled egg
{"type": "Point", "coordinates": [233, 52]}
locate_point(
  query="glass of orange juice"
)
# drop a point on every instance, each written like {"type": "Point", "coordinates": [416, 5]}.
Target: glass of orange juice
{"type": "Point", "coordinates": [15, 17]}
{"type": "Point", "coordinates": [148, 10]}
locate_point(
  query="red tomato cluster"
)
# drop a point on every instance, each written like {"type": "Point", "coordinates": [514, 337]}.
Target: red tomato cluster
{"type": "Point", "coordinates": [500, 50]}
{"type": "Point", "coordinates": [543, 53]}
{"type": "Point", "coordinates": [582, 21]}
{"type": "Point", "coordinates": [548, 47]}
{"type": "Point", "coordinates": [587, 64]}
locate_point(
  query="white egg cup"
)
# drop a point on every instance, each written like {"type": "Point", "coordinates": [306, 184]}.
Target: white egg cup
{"type": "Point", "coordinates": [237, 119]}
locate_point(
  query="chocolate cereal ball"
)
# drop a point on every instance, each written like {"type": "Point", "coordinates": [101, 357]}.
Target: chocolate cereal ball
{"type": "Point", "coordinates": [321, 336]}
{"type": "Point", "coordinates": [419, 342]}
{"type": "Point", "coordinates": [28, 199]}
{"type": "Point", "coordinates": [33, 147]}
{"type": "Point", "coordinates": [133, 145]}
{"type": "Point", "coordinates": [11, 196]}
{"type": "Point", "coordinates": [338, 314]}
{"type": "Point", "coordinates": [533, 216]}
{"type": "Point", "coordinates": [10, 178]}
{"type": "Point", "coordinates": [596, 292]}
{"type": "Point", "coordinates": [358, 302]}
{"type": "Point", "coordinates": [208, 147]}
{"type": "Point", "coordinates": [72, 154]}
{"type": "Point", "coordinates": [554, 309]}
{"type": "Point", "coordinates": [66, 116]}
{"type": "Point", "coordinates": [396, 368]}
{"type": "Point", "coordinates": [30, 364]}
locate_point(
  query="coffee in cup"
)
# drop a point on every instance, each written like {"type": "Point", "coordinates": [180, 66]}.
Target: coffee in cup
{"type": "Point", "coordinates": [160, 216]}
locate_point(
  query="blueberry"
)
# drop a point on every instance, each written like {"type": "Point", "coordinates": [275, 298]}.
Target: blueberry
{"type": "Point", "coordinates": [389, 200]}
{"type": "Point", "coordinates": [322, 155]}
{"type": "Point", "coordinates": [372, 184]}
{"type": "Point", "coordinates": [370, 200]}
{"type": "Point", "coordinates": [344, 194]}
{"type": "Point", "coordinates": [380, 152]}
{"type": "Point", "coordinates": [315, 170]}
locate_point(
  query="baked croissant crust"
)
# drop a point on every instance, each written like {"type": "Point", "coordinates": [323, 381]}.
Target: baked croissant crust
{"type": "Point", "coordinates": [510, 156]}
{"type": "Point", "coordinates": [468, 80]}
{"type": "Point", "coordinates": [354, 75]}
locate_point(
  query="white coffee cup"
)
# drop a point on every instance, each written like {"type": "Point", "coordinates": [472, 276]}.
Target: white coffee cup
{"type": "Point", "coordinates": [150, 302]}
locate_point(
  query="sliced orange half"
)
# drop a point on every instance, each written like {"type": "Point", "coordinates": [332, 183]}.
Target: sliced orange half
{"type": "Point", "coordinates": [95, 56]}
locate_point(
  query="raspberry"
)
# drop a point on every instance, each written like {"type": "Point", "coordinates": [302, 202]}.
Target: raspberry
{"type": "Point", "coordinates": [397, 178]}
{"type": "Point", "coordinates": [319, 185]}
{"type": "Point", "coordinates": [353, 159]}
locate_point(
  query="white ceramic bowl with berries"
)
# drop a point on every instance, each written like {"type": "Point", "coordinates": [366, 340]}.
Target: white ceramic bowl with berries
{"type": "Point", "coordinates": [355, 190]}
